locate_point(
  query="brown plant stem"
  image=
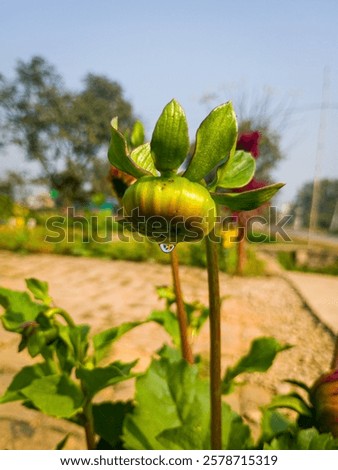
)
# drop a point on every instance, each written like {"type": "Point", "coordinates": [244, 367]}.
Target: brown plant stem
{"type": "Point", "coordinates": [87, 411]}
{"type": "Point", "coordinates": [89, 425]}
{"type": "Point", "coordinates": [215, 344]}
{"type": "Point", "coordinates": [181, 314]}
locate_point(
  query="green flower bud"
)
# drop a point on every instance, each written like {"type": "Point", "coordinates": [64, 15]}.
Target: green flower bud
{"type": "Point", "coordinates": [169, 209]}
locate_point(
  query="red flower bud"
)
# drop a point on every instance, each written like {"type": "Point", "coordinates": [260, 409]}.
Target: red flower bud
{"type": "Point", "coordinates": [324, 397]}
{"type": "Point", "coordinates": [248, 142]}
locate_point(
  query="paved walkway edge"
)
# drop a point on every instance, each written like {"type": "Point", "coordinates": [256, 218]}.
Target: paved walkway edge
{"type": "Point", "coordinates": [314, 313]}
{"type": "Point", "coordinates": [275, 269]}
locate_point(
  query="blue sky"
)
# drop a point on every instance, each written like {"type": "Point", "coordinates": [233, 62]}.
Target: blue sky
{"type": "Point", "coordinates": [189, 49]}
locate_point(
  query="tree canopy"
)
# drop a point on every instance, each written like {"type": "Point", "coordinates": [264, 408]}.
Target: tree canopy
{"type": "Point", "coordinates": [65, 131]}
{"type": "Point", "coordinates": [327, 203]}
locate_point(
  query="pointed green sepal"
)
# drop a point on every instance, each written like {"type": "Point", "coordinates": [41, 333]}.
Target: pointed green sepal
{"type": "Point", "coordinates": [248, 200]}
{"type": "Point", "coordinates": [236, 172]}
{"type": "Point", "coordinates": [215, 138]}
{"type": "Point", "coordinates": [115, 122]}
{"type": "Point", "coordinates": [170, 139]}
{"type": "Point", "coordinates": [137, 134]}
{"type": "Point", "coordinates": [142, 157]}
{"type": "Point", "coordinates": [118, 155]}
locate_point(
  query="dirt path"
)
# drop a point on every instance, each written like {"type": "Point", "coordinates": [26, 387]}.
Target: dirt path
{"type": "Point", "coordinates": [105, 293]}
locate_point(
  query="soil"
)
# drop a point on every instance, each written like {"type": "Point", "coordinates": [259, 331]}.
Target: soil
{"type": "Point", "coordinates": [105, 293]}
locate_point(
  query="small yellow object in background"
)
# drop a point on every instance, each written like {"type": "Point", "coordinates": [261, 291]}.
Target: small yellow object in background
{"type": "Point", "coordinates": [229, 237]}
{"type": "Point", "coordinates": [20, 222]}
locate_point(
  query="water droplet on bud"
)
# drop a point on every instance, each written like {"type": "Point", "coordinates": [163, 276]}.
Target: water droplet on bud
{"type": "Point", "coordinates": [167, 247]}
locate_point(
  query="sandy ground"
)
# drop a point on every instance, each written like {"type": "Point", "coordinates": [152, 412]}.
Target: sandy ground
{"type": "Point", "coordinates": [105, 293]}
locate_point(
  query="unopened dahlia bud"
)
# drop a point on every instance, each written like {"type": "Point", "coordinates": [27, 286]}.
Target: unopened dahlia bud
{"type": "Point", "coordinates": [324, 397]}
{"type": "Point", "coordinates": [170, 209]}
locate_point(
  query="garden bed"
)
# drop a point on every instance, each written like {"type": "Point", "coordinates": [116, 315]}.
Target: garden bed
{"type": "Point", "coordinates": [104, 293]}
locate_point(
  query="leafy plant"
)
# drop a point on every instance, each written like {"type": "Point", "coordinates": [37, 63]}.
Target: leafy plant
{"type": "Point", "coordinates": [259, 359]}
{"type": "Point", "coordinates": [316, 406]}
{"type": "Point", "coordinates": [197, 314]}
{"type": "Point", "coordinates": [65, 382]}
{"type": "Point", "coordinates": [184, 423]}
{"type": "Point", "coordinates": [173, 201]}
{"type": "Point", "coordinates": [68, 377]}
{"type": "Point", "coordinates": [192, 414]}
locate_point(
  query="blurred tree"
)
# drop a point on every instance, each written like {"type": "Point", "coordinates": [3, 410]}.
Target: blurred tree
{"type": "Point", "coordinates": [99, 178]}
{"type": "Point", "coordinates": [66, 132]}
{"type": "Point", "coordinates": [32, 105]}
{"type": "Point", "coordinates": [6, 206]}
{"type": "Point", "coordinates": [328, 199]}
{"type": "Point", "coordinates": [14, 185]}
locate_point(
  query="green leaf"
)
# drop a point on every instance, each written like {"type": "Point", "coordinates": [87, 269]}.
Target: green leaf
{"type": "Point", "coordinates": [143, 425]}
{"type": "Point", "coordinates": [189, 393]}
{"type": "Point", "coordinates": [99, 378]}
{"type": "Point", "coordinates": [39, 289]}
{"type": "Point", "coordinates": [312, 440]}
{"type": "Point", "coordinates": [72, 345]}
{"type": "Point", "coordinates": [142, 157]}
{"type": "Point", "coordinates": [235, 434]}
{"type": "Point", "coordinates": [118, 155]}
{"type": "Point", "coordinates": [20, 309]}
{"type": "Point", "coordinates": [260, 357]}
{"type": "Point", "coordinates": [167, 293]}
{"type": "Point", "coordinates": [65, 356]}
{"type": "Point", "coordinates": [197, 315]}
{"type": "Point", "coordinates": [196, 312]}
{"type": "Point", "coordinates": [115, 122]}
{"type": "Point", "coordinates": [247, 200]}
{"type": "Point", "coordinates": [291, 401]}
{"type": "Point", "coordinates": [273, 424]}
{"type": "Point", "coordinates": [215, 139]}
{"type": "Point", "coordinates": [262, 353]}
{"type": "Point", "coordinates": [22, 379]}
{"type": "Point", "coordinates": [168, 320]}
{"type": "Point", "coordinates": [78, 337]}
{"type": "Point", "coordinates": [108, 421]}
{"type": "Point", "coordinates": [305, 439]}
{"type": "Point", "coordinates": [169, 353]}
{"type": "Point", "coordinates": [299, 384]}
{"type": "Point", "coordinates": [61, 444]}
{"type": "Point", "coordinates": [38, 341]}
{"type": "Point", "coordinates": [55, 395]}
{"type": "Point", "coordinates": [104, 340]}
{"type": "Point", "coordinates": [182, 419]}
{"type": "Point", "coordinates": [170, 139]}
{"type": "Point", "coordinates": [236, 172]}
{"type": "Point", "coordinates": [182, 438]}
{"type": "Point", "coordinates": [137, 134]}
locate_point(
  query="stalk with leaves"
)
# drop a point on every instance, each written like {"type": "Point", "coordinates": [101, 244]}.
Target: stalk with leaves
{"type": "Point", "coordinates": [120, 183]}
{"type": "Point", "coordinates": [169, 206]}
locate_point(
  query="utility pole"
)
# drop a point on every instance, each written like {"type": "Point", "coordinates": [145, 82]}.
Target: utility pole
{"type": "Point", "coordinates": [313, 225]}
{"type": "Point", "coordinates": [334, 221]}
